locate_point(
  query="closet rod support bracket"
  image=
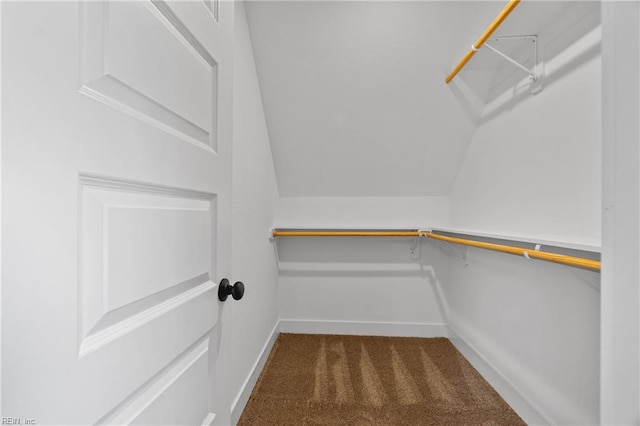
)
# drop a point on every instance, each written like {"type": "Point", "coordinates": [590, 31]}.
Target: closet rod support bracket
{"type": "Point", "coordinates": [535, 74]}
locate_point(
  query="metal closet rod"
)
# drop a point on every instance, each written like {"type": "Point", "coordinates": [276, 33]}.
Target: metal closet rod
{"type": "Point", "coordinates": [519, 251]}
{"type": "Point", "coordinates": [487, 33]}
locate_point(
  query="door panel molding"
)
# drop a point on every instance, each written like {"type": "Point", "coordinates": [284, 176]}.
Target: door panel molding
{"type": "Point", "coordinates": [140, 76]}
{"type": "Point", "coordinates": [132, 235]}
{"type": "Point", "coordinates": [146, 403]}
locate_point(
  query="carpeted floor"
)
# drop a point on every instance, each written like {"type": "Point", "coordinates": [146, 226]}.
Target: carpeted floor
{"type": "Point", "coordinates": [357, 380]}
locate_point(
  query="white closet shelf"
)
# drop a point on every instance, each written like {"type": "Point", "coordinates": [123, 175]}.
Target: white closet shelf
{"type": "Point", "coordinates": [573, 243]}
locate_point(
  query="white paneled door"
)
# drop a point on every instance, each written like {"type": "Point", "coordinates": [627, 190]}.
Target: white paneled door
{"type": "Point", "coordinates": [116, 180]}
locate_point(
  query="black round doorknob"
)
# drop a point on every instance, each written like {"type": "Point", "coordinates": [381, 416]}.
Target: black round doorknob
{"type": "Point", "coordinates": [225, 289]}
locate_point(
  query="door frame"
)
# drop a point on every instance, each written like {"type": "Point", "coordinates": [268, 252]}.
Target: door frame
{"type": "Point", "coordinates": [1, 203]}
{"type": "Point", "coordinates": [620, 279]}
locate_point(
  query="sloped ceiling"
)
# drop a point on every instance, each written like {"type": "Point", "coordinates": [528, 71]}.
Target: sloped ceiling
{"type": "Point", "coordinates": [354, 93]}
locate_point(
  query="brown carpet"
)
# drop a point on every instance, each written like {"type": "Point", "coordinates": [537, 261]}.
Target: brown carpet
{"type": "Point", "coordinates": [358, 380]}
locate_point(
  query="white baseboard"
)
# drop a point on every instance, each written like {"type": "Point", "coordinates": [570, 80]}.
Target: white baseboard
{"type": "Point", "coordinates": [520, 404]}
{"type": "Point", "coordinates": [363, 328]}
{"type": "Point", "coordinates": [245, 392]}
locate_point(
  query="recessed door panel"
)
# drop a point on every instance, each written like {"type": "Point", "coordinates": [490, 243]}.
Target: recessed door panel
{"type": "Point", "coordinates": [144, 249]}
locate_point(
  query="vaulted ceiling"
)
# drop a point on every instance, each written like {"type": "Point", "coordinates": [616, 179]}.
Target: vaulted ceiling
{"type": "Point", "coordinates": [354, 93]}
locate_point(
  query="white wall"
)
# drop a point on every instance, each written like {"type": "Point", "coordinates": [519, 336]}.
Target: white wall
{"type": "Point", "coordinates": [361, 285]}
{"type": "Point", "coordinates": [533, 168]}
{"type": "Point", "coordinates": [533, 165]}
{"type": "Point", "coordinates": [254, 203]}
{"type": "Point", "coordinates": [354, 94]}
{"type": "Point", "coordinates": [536, 323]}
{"type": "Point", "coordinates": [362, 212]}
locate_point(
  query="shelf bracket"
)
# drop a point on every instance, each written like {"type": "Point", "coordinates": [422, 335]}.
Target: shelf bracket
{"type": "Point", "coordinates": [416, 246]}
{"type": "Point", "coordinates": [535, 74]}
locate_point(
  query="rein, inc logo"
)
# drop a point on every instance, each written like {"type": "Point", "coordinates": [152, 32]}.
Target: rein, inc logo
{"type": "Point", "coordinates": [17, 421]}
